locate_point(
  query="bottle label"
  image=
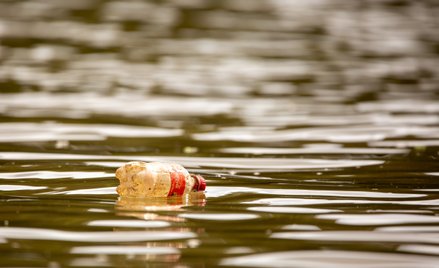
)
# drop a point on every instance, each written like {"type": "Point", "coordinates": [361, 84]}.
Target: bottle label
{"type": "Point", "coordinates": [178, 184]}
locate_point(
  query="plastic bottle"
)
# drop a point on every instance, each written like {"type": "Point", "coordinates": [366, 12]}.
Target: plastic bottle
{"type": "Point", "coordinates": [156, 179]}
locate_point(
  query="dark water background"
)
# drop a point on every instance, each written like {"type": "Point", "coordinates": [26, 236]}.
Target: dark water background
{"type": "Point", "coordinates": [315, 123]}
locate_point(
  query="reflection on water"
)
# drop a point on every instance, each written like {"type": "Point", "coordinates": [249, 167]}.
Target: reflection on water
{"type": "Point", "coordinates": [128, 236]}
{"type": "Point", "coordinates": [331, 258]}
{"type": "Point", "coordinates": [148, 211]}
{"type": "Point", "coordinates": [315, 124]}
{"type": "Point", "coordinates": [146, 205]}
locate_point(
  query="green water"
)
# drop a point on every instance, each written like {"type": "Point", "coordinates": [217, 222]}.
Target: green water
{"type": "Point", "coordinates": [315, 124]}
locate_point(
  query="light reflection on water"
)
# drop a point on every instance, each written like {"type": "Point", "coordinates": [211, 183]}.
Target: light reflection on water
{"type": "Point", "coordinates": [315, 124]}
{"type": "Point", "coordinates": [131, 236]}
{"type": "Point", "coordinates": [331, 258]}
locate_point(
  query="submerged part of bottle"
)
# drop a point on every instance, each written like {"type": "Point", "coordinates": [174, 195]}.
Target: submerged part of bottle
{"type": "Point", "coordinates": [156, 179]}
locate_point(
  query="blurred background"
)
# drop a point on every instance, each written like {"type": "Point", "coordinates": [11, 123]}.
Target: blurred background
{"type": "Point", "coordinates": [259, 62]}
{"type": "Point", "coordinates": [315, 123]}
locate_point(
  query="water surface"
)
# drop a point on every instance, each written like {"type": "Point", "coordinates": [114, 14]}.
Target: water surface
{"type": "Point", "coordinates": [315, 124]}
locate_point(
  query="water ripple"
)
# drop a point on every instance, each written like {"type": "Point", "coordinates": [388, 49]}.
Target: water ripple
{"type": "Point", "coordinates": [120, 236]}
{"type": "Point", "coordinates": [90, 191]}
{"type": "Point", "coordinates": [128, 223]}
{"type": "Point", "coordinates": [379, 219]}
{"type": "Point", "coordinates": [420, 249]}
{"type": "Point", "coordinates": [363, 236]}
{"type": "Point", "coordinates": [332, 258]}
{"type": "Point", "coordinates": [311, 150]}
{"type": "Point", "coordinates": [5, 187]}
{"type": "Point", "coordinates": [124, 250]}
{"type": "Point", "coordinates": [219, 216]}
{"type": "Point", "coordinates": [293, 210]}
{"type": "Point", "coordinates": [54, 175]}
{"type": "Point", "coordinates": [347, 134]}
{"type": "Point", "coordinates": [30, 132]}
{"type": "Point", "coordinates": [310, 201]}
{"type": "Point", "coordinates": [315, 124]}
{"type": "Point", "coordinates": [269, 164]}
{"type": "Point", "coordinates": [218, 191]}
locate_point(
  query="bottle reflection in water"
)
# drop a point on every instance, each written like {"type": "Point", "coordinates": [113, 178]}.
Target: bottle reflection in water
{"type": "Point", "coordinates": [144, 208]}
{"type": "Point", "coordinates": [157, 209]}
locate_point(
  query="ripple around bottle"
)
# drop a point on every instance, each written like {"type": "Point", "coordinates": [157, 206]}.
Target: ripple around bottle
{"type": "Point", "coordinates": [293, 210]}
{"type": "Point", "coordinates": [219, 216]}
{"type": "Point", "coordinates": [120, 236]}
{"type": "Point", "coordinates": [331, 258]}
{"type": "Point", "coordinates": [218, 191]}
{"type": "Point", "coordinates": [90, 191]}
{"type": "Point", "coordinates": [129, 223]}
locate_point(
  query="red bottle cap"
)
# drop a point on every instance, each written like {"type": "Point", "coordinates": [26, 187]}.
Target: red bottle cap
{"type": "Point", "coordinates": [200, 183]}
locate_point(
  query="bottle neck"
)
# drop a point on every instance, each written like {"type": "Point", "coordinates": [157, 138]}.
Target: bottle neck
{"type": "Point", "coordinates": [199, 183]}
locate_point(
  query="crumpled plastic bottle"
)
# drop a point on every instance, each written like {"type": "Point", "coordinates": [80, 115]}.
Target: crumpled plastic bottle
{"type": "Point", "coordinates": [157, 179]}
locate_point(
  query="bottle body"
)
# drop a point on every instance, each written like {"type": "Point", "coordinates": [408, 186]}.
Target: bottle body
{"type": "Point", "coordinates": [156, 179]}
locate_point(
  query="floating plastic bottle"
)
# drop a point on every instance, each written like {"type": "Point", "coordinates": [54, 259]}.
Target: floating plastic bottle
{"type": "Point", "coordinates": [156, 179]}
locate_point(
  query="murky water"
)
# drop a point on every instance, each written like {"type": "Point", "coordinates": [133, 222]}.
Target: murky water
{"type": "Point", "coordinates": [315, 123]}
